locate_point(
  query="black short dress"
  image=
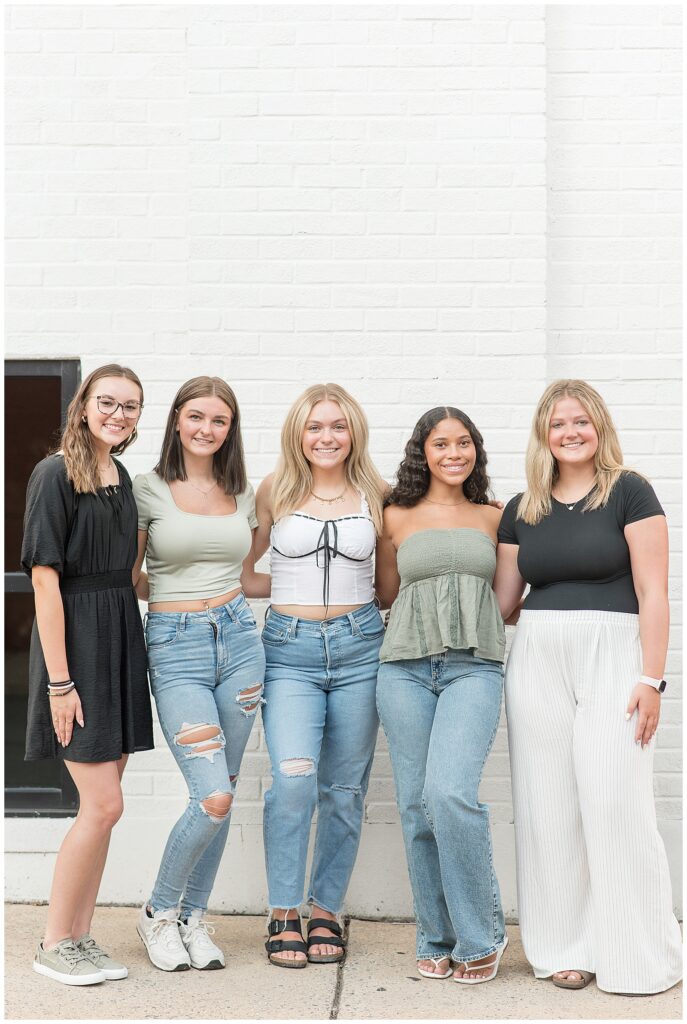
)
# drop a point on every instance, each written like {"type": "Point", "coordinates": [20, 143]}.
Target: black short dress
{"type": "Point", "coordinates": [90, 540]}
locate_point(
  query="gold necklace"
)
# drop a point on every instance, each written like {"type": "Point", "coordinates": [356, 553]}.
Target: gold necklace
{"type": "Point", "coordinates": [330, 501]}
{"type": "Point", "coordinates": [446, 504]}
{"type": "Point", "coordinates": [204, 493]}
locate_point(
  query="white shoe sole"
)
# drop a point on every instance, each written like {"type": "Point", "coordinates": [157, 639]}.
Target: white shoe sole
{"type": "Point", "coordinates": [211, 965]}
{"type": "Point", "coordinates": [69, 979]}
{"type": "Point", "coordinates": [184, 965]}
{"type": "Point", "coordinates": [115, 973]}
{"type": "Point", "coordinates": [433, 976]}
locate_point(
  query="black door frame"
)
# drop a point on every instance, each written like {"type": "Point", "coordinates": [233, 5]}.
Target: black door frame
{"type": "Point", "coordinates": [63, 801]}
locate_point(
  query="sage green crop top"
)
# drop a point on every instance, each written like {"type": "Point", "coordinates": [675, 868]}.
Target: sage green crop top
{"type": "Point", "coordinates": [190, 557]}
{"type": "Point", "coordinates": [445, 601]}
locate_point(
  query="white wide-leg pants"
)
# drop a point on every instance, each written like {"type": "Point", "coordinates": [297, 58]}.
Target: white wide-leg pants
{"type": "Point", "coordinates": [593, 884]}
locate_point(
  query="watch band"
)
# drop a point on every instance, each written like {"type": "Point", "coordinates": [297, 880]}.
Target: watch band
{"type": "Point", "coordinates": [658, 684]}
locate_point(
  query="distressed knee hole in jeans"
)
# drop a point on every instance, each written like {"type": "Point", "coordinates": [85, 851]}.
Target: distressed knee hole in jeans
{"type": "Point", "coordinates": [249, 700]}
{"type": "Point", "coordinates": [217, 805]}
{"type": "Point", "coordinates": [297, 766]}
{"type": "Point", "coordinates": [345, 789]}
{"type": "Point", "coordinates": [200, 740]}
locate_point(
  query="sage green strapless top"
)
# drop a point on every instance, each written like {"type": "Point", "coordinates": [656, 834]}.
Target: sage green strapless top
{"type": "Point", "coordinates": [445, 601]}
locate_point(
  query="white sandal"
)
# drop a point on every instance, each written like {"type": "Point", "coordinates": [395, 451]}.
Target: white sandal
{"type": "Point", "coordinates": [494, 965]}
{"type": "Point", "coordinates": [434, 975]}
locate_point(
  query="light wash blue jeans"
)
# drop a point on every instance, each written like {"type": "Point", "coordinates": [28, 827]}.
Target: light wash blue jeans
{"type": "Point", "coordinates": [440, 716]}
{"type": "Point", "coordinates": [204, 667]}
{"type": "Point", "coordinates": [321, 727]}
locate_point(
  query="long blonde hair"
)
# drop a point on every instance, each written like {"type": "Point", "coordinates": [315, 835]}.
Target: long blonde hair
{"type": "Point", "coordinates": [76, 444]}
{"type": "Point", "coordinates": [542, 469]}
{"type": "Point", "coordinates": [293, 477]}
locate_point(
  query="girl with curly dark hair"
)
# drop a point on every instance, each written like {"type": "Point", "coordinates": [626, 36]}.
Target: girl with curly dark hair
{"type": "Point", "coordinates": [439, 689]}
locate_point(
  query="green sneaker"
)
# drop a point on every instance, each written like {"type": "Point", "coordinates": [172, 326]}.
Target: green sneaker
{"type": "Point", "coordinates": [99, 958]}
{"type": "Point", "coordinates": [66, 963]}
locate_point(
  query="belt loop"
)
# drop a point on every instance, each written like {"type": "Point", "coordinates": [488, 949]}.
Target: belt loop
{"type": "Point", "coordinates": [292, 626]}
{"type": "Point", "coordinates": [231, 612]}
{"type": "Point", "coordinates": [145, 621]}
{"type": "Point", "coordinates": [182, 621]}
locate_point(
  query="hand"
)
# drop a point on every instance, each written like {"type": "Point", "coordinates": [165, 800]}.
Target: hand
{"type": "Point", "coordinates": [646, 700]}
{"type": "Point", "coordinates": [512, 619]}
{"type": "Point", "coordinates": [64, 710]}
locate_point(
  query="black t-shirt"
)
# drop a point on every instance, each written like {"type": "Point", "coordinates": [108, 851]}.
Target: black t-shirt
{"type": "Point", "coordinates": [574, 559]}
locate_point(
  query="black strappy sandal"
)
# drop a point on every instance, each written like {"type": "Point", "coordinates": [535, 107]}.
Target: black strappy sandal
{"type": "Point", "coordinates": [326, 940]}
{"type": "Point", "coordinates": [273, 945]}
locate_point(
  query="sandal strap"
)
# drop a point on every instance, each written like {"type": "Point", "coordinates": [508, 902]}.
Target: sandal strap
{"type": "Point", "coordinates": [291, 924]}
{"type": "Point", "coordinates": [280, 945]}
{"type": "Point", "coordinates": [322, 922]}
{"type": "Point", "coordinates": [325, 940]}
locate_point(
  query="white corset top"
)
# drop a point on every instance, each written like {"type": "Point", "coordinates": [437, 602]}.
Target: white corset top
{"type": "Point", "coordinates": [323, 561]}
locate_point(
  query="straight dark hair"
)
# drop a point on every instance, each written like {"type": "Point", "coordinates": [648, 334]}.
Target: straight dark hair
{"type": "Point", "coordinates": [228, 464]}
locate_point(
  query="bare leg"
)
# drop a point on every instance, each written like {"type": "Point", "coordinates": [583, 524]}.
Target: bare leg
{"type": "Point", "coordinates": [89, 892]}
{"type": "Point", "coordinates": [81, 858]}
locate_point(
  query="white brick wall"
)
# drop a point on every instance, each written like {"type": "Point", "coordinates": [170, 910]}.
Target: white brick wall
{"type": "Point", "coordinates": [425, 203]}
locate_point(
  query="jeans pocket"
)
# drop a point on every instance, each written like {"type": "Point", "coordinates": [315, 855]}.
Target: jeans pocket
{"type": "Point", "coordinates": [274, 636]}
{"type": "Point", "coordinates": [245, 618]}
{"type": "Point", "coordinates": [161, 634]}
{"type": "Point", "coordinates": [370, 628]}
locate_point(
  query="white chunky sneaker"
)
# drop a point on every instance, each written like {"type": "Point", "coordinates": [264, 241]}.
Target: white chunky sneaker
{"type": "Point", "coordinates": [160, 936]}
{"type": "Point", "coordinates": [195, 935]}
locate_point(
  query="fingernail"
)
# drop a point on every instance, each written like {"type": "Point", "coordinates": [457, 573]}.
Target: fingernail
{"type": "Point", "coordinates": [628, 716]}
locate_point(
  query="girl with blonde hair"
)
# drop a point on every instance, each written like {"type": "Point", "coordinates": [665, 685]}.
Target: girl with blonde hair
{"type": "Point", "coordinates": [88, 692]}
{"type": "Point", "coordinates": [583, 696]}
{"type": "Point", "coordinates": [321, 512]}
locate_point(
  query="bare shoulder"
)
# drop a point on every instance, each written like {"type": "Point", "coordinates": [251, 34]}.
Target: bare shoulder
{"type": "Point", "coordinates": [491, 515]}
{"type": "Point", "coordinates": [265, 487]}
{"type": "Point", "coordinates": [394, 519]}
{"type": "Point", "coordinates": [393, 514]}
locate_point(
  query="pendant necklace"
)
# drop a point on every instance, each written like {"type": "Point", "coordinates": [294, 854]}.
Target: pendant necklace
{"type": "Point", "coordinates": [204, 493]}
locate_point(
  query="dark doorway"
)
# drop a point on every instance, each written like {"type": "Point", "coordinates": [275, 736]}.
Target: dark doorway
{"type": "Point", "coordinates": [37, 393]}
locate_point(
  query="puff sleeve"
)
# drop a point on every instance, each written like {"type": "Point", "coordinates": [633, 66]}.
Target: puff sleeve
{"type": "Point", "coordinates": [50, 506]}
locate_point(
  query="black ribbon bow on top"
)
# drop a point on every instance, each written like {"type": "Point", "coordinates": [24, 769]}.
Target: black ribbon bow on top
{"type": "Point", "coordinates": [327, 549]}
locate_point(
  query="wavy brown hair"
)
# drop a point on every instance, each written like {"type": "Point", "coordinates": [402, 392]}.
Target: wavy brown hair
{"type": "Point", "coordinates": [413, 476]}
{"type": "Point", "coordinates": [76, 443]}
{"type": "Point", "coordinates": [228, 463]}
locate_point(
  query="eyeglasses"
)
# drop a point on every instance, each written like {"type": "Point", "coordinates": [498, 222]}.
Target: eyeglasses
{"type": "Point", "coordinates": [108, 405]}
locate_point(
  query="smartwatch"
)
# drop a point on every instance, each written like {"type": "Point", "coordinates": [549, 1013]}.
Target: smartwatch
{"type": "Point", "coordinates": [658, 684]}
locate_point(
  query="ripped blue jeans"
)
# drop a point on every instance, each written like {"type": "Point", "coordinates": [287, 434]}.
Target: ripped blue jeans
{"type": "Point", "coordinates": [320, 726]}
{"type": "Point", "coordinates": [206, 675]}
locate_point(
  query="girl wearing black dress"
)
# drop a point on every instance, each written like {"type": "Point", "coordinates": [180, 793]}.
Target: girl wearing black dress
{"type": "Point", "coordinates": [88, 692]}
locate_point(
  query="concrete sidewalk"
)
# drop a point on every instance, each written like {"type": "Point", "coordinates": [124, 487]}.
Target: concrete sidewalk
{"type": "Point", "coordinates": [378, 981]}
